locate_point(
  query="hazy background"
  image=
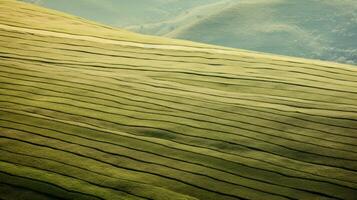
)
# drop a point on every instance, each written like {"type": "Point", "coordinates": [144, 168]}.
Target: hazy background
{"type": "Point", "coordinates": [319, 29]}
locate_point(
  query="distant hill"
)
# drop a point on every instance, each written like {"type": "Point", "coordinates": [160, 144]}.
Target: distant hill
{"type": "Point", "coordinates": [184, 19]}
{"type": "Point", "coordinates": [318, 29]}
{"type": "Point", "coordinates": [123, 13]}
{"type": "Point", "coordinates": [93, 112]}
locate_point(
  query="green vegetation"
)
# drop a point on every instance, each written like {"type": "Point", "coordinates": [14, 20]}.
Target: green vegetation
{"type": "Point", "coordinates": [122, 12]}
{"type": "Point", "coordinates": [92, 112]}
{"type": "Point", "coordinates": [318, 29]}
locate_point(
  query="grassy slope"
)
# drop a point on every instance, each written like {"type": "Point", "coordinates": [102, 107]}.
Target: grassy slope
{"type": "Point", "coordinates": [91, 112]}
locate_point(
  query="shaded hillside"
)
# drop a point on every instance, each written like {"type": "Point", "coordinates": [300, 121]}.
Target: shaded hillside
{"type": "Point", "coordinates": [320, 29]}
{"type": "Point", "coordinates": [92, 112]}
{"type": "Point", "coordinates": [182, 20]}
{"type": "Point", "coordinates": [122, 13]}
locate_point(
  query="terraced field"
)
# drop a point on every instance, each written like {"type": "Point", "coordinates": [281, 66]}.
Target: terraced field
{"type": "Point", "coordinates": [92, 112]}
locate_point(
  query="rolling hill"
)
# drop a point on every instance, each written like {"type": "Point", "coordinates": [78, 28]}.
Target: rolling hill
{"type": "Point", "coordinates": [122, 13]}
{"type": "Point", "coordinates": [88, 111]}
{"type": "Point", "coordinates": [179, 21]}
{"type": "Point", "coordinates": [319, 29]}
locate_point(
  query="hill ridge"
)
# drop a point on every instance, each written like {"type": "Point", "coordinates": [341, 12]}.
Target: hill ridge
{"type": "Point", "coordinates": [89, 118]}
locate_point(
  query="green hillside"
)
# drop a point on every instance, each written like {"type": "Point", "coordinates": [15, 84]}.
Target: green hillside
{"type": "Point", "coordinates": [92, 112]}
{"type": "Point", "coordinates": [179, 21]}
{"type": "Point", "coordinates": [122, 13]}
{"type": "Point", "coordinates": [319, 29]}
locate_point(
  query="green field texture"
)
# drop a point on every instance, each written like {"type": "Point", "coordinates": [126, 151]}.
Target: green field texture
{"type": "Point", "coordinates": [93, 112]}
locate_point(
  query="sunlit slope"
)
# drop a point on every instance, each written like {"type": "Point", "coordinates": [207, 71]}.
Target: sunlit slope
{"type": "Point", "coordinates": [90, 112]}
